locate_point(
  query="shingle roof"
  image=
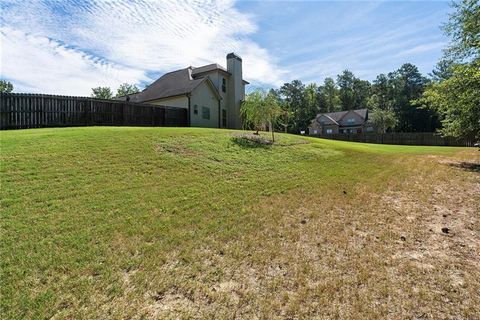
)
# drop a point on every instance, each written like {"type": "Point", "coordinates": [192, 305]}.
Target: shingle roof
{"type": "Point", "coordinates": [209, 67]}
{"type": "Point", "coordinates": [337, 116]}
{"type": "Point", "coordinates": [170, 84]}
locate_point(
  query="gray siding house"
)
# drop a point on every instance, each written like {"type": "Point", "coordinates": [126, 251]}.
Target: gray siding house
{"type": "Point", "coordinates": [351, 121]}
{"type": "Point", "coordinates": [211, 93]}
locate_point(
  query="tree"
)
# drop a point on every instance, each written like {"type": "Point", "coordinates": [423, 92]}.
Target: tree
{"type": "Point", "coordinates": [127, 89]}
{"type": "Point", "coordinates": [345, 82]}
{"type": "Point", "coordinates": [457, 99]}
{"type": "Point", "coordinates": [102, 93]}
{"type": "Point", "coordinates": [311, 104]}
{"type": "Point", "coordinates": [6, 86]}
{"type": "Point", "coordinates": [329, 100]}
{"type": "Point", "coordinates": [408, 84]}
{"type": "Point", "coordinates": [294, 100]}
{"type": "Point", "coordinates": [259, 110]}
{"type": "Point", "coordinates": [361, 92]}
{"type": "Point", "coordinates": [383, 119]}
{"type": "Point", "coordinates": [463, 28]}
{"type": "Point", "coordinates": [442, 70]}
{"type": "Point", "coordinates": [457, 95]}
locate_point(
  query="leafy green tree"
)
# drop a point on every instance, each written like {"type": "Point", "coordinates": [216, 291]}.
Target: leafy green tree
{"type": "Point", "coordinates": [442, 70]}
{"type": "Point", "coordinates": [259, 110]}
{"type": "Point", "coordinates": [381, 93]}
{"type": "Point", "coordinates": [383, 119]}
{"type": "Point", "coordinates": [463, 28]}
{"type": "Point", "coordinates": [311, 104]}
{"type": "Point", "coordinates": [294, 99]}
{"type": "Point", "coordinates": [328, 96]}
{"type": "Point", "coordinates": [102, 93]}
{"type": "Point", "coordinates": [353, 92]}
{"type": "Point", "coordinates": [361, 92]}
{"type": "Point", "coordinates": [6, 86]}
{"type": "Point", "coordinates": [127, 89]}
{"type": "Point", "coordinates": [457, 99]}
{"type": "Point", "coordinates": [456, 96]}
{"type": "Point", "coordinates": [345, 82]}
{"type": "Point", "coordinates": [408, 84]}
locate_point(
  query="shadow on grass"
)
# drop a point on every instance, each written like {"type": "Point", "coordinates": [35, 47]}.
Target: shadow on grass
{"type": "Point", "coordinates": [251, 141]}
{"type": "Point", "coordinates": [468, 166]}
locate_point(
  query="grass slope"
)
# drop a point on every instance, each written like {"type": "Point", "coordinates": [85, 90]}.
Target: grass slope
{"type": "Point", "coordinates": [180, 223]}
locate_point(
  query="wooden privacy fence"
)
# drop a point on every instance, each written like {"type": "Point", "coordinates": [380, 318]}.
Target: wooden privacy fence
{"type": "Point", "coordinates": [414, 138]}
{"type": "Point", "coordinates": [22, 111]}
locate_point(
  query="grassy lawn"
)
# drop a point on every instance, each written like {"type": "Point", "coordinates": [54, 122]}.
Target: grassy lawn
{"type": "Point", "coordinates": [184, 223]}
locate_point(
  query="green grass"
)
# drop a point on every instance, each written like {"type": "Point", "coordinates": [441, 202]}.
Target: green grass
{"type": "Point", "coordinates": [143, 222]}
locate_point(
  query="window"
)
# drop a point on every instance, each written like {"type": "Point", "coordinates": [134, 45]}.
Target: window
{"type": "Point", "coordinates": [195, 109]}
{"type": "Point", "coordinates": [351, 120]}
{"type": "Point", "coordinates": [224, 118]}
{"type": "Point", "coordinates": [329, 131]}
{"type": "Point", "coordinates": [206, 113]}
{"type": "Point", "coordinates": [315, 131]}
{"type": "Point", "coordinates": [369, 129]}
{"type": "Point", "coordinates": [224, 85]}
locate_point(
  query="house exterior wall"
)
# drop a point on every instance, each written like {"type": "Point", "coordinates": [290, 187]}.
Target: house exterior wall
{"type": "Point", "coordinates": [180, 101]}
{"type": "Point", "coordinates": [203, 97]}
{"type": "Point", "coordinates": [317, 128]}
{"type": "Point", "coordinates": [217, 78]}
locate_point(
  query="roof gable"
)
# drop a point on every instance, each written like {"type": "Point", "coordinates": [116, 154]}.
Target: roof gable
{"type": "Point", "coordinates": [212, 87]}
{"type": "Point", "coordinates": [341, 117]}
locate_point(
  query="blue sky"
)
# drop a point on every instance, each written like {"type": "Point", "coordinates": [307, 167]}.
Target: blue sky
{"type": "Point", "coordinates": [70, 46]}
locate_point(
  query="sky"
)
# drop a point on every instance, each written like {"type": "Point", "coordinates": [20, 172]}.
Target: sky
{"type": "Point", "coordinates": [70, 46]}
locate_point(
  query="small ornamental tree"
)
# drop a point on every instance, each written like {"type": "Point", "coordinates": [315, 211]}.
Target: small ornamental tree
{"type": "Point", "coordinates": [259, 110]}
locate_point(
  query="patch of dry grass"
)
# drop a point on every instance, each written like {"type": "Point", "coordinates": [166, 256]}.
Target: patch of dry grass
{"type": "Point", "coordinates": [182, 223]}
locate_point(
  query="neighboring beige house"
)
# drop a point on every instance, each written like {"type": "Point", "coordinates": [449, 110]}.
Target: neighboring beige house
{"type": "Point", "coordinates": [352, 121]}
{"type": "Point", "coordinates": [212, 94]}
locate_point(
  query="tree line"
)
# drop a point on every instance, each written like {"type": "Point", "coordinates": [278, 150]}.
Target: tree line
{"type": "Point", "coordinates": [389, 97]}
{"type": "Point", "coordinates": [447, 100]}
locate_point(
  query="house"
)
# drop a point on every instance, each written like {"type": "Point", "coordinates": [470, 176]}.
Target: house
{"type": "Point", "coordinates": [351, 121]}
{"type": "Point", "coordinates": [211, 94]}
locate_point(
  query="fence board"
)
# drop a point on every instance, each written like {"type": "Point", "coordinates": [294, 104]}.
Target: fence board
{"type": "Point", "coordinates": [405, 138]}
{"type": "Point", "coordinates": [20, 111]}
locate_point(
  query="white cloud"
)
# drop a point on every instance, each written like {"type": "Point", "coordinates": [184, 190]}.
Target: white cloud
{"type": "Point", "coordinates": [38, 64]}
{"type": "Point", "coordinates": [71, 46]}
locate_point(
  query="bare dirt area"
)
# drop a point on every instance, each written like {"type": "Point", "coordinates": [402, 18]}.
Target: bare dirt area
{"type": "Point", "coordinates": [410, 251]}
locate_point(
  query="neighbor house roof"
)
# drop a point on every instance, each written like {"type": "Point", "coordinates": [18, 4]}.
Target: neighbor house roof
{"type": "Point", "coordinates": [338, 116]}
{"type": "Point", "coordinates": [171, 84]}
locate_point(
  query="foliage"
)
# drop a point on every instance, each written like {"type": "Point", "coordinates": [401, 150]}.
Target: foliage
{"type": "Point", "coordinates": [353, 92]}
{"type": "Point", "coordinates": [457, 99]}
{"type": "Point", "coordinates": [6, 86]}
{"type": "Point", "coordinates": [393, 91]}
{"type": "Point", "coordinates": [294, 101]}
{"type": "Point", "coordinates": [126, 89]}
{"type": "Point", "coordinates": [383, 119]}
{"type": "Point", "coordinates": [328, 96]}
{"type": "Point", "coordinates": [102, 93]}
{"type": "Point", "coordinates": [463, 28]}
{"type": "Point", "coordinates": [261, 109]}
{"type": "Point", "coordinates": [455, 92]}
